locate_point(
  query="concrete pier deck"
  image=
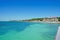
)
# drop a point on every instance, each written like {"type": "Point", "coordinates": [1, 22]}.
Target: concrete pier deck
{"type": "Point", "coordinates": [58, 34]}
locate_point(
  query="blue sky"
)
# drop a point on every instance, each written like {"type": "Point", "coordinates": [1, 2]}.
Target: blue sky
{"type": "Point", "coordinates": [26, 9]}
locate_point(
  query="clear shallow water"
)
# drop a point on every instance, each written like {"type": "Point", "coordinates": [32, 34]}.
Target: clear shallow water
{"type": "Point", "coordinates": [27, 31]}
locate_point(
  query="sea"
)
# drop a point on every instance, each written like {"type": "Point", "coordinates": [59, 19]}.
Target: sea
{"type": "Point", "coordinates": [10, 30]}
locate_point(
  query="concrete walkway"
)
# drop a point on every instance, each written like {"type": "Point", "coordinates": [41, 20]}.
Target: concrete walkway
{"type": "Point", "coordinates": [58, 34]}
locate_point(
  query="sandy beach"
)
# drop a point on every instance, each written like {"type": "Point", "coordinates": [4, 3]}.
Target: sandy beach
{"type": "Point", "coordinates": [41, 22]}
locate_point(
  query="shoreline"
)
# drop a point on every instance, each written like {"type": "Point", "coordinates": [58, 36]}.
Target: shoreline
{"type": "Point", "coordinates": [36, 22]}
{"type": "Point", "coordinates": [41, 22]}
{"type": "Point", "coordinates": [51, 22]}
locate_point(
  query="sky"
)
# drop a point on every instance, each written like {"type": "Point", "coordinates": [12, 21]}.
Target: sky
{"type": "Point", "coordinates": [26, 9]}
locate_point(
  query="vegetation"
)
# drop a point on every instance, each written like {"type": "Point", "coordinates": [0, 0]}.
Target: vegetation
{"type": "Point", "coordinates": [34, 19]}
{"type": "Point", "coordinates": [58, 18]}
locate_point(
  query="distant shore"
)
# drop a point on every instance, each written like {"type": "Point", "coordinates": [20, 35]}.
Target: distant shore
{"type": "Point", "coordinates": [51, 22]}
{"type": "Point", "coordinates": [44, 20]}
{"type": "Point", "coordinates": [41, 22]}
{"type": "Point", "coordinates": [47, 22]}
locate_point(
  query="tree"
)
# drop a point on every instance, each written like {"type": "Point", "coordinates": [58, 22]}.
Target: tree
{"type": "Point", "coordinates": [58, 18]}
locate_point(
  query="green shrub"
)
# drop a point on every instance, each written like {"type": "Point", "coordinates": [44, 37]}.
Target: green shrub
{"type": "Point", "coordinates": [58, 18]}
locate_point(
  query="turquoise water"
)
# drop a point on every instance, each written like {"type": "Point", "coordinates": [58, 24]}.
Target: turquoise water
{"type": "Point", "coordinates": [27, 31]}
